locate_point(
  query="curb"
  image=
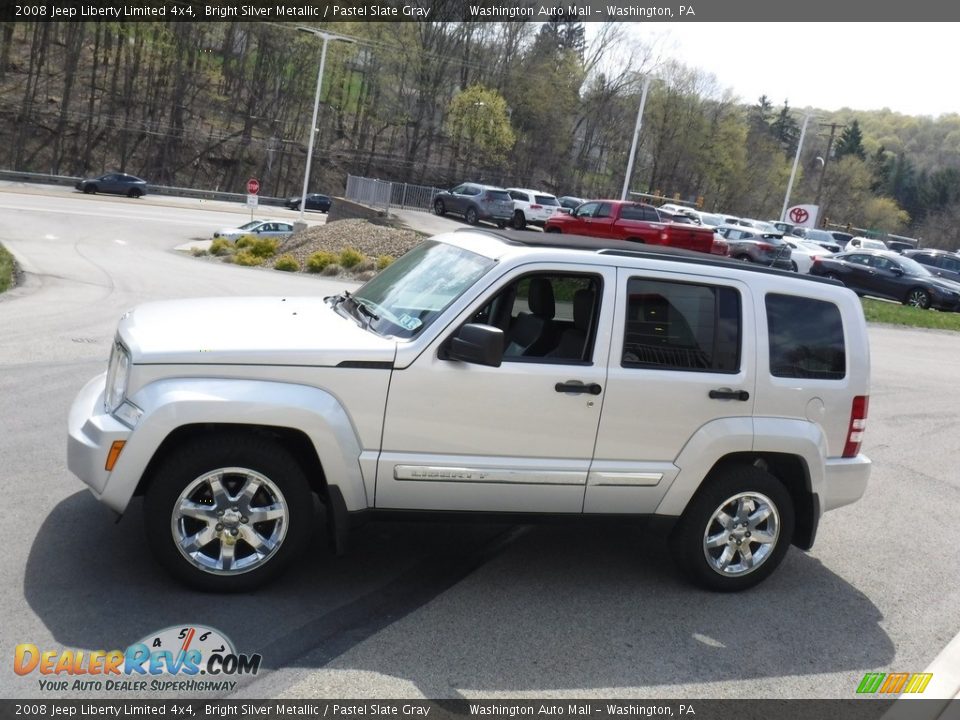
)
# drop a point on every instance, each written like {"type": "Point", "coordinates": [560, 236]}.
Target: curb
{"type": "Point", "coordinates": [941, 696]}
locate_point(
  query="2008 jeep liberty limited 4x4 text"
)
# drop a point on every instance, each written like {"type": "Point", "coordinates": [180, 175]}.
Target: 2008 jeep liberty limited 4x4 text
{"type": "Point", "coordinates": [489, 373]}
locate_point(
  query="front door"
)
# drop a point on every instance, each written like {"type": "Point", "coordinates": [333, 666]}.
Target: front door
{"type": "Point", "coordinates": [514, 438]}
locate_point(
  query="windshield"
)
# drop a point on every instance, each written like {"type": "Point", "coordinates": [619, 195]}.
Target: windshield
{"type": "Point", "coordinates": [250, 225]}
{"type": "Point", "coordinates": [547, 200]}
{"type": "Point", "coordinates": [409, 294]}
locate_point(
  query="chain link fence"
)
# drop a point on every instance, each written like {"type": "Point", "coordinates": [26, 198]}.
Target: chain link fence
{"type": "Point", "coordinates": [386, 195]}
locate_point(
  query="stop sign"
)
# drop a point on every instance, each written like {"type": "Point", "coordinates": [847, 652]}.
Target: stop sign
{"type": "Point", "coordinates": [253, 186]}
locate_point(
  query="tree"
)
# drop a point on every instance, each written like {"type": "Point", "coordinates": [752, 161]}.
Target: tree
{"type": "Point", "coordinates": [786, 131]}
{"type": "Point", "coordinates": [479, 122]}
{"type": "Point", "coordinates": [850, 142]}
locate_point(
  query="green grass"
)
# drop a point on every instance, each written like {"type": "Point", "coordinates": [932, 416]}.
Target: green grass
{"type": "Point", "coordinates": [896, 314]}
{"type": "Point", "coordinates": [6, 269]}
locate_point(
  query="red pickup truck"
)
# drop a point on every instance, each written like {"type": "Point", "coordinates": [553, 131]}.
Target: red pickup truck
{"type": "Point", "coordinates": [637, 222]}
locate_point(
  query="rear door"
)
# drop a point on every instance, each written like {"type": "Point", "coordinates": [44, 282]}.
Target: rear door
{"type": "Point", "coordinates": [682, 356]}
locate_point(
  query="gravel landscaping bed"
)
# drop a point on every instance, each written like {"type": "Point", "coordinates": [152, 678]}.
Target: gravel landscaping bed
{"type": "Point", "coordinates": [372, 240]}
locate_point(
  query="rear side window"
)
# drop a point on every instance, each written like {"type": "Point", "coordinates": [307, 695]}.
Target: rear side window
{"type": "Point", "coordinates": [806, 338]}
{"type": "Point", "coordinates": [547, 200]}
{"type": "Point", "coordinates": [498, 195]}
{"type": "Point", "coordinates": [682, 326]}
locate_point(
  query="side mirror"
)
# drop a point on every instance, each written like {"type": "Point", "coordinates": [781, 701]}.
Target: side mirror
{"type": "Point", "coordinates": [897, 271]}
{"type": "Point", "coordinates": [478, 344]}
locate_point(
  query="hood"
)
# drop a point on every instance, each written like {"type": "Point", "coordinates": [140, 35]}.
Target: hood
{"type": "Point", "coordinates": [249, 331]}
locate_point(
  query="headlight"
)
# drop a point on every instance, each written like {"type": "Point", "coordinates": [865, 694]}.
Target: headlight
{"type": "Point", "coordinates": [118, 371]}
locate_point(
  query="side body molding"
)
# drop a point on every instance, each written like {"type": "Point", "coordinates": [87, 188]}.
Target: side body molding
{"type": "Point", "coordinates": [172, 403]}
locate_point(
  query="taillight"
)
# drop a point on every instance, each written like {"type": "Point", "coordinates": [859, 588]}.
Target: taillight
{"type": "Point", "coordinates": [765, 247]}
{"type": "Point", "coordinates": [858, 423]}
{"type": "Point", "coordinates": [815, 259]}
{"type": "Point", "coordinates": [536, 207]}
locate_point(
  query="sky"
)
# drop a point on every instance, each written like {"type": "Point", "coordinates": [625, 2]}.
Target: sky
{"type": "Point", "coordinates": [905, 67]}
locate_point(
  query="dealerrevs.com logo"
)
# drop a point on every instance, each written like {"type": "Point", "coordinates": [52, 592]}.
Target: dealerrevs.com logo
{"type": "Point", "coordinates": [173, 659]}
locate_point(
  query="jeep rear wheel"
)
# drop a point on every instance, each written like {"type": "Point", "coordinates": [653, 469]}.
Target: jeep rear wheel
{"type": "Point", "coordinates": [519, 220]}
{"type": "Point", "coordinates": [439, 208]}
{"type": "Point", "coordinates": [735, 531]}
{"type": "Point", "coordinates": [226, 514]}
{"type": "Point", "coordinates": [471, 216]}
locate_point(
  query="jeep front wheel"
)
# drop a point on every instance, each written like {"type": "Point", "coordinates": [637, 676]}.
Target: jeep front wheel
{"type": "Point", "coordinates": [735, 531]}
{"type": "Point", "coordinates": [226, 514]}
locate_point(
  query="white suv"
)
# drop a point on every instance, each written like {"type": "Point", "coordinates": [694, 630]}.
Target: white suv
{"type": "Point", "coordinates": [486, 373]}
{"type": "Point", "coordinates": [532, 207]}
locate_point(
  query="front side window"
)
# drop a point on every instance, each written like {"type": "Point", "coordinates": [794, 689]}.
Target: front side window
{"type": "Point", "coordinates": [546, 317]}
{"type": "Point", "coordinates": [682, 326]}
{"type": "Point", "coordinates": [413, 291]}
{"type": "Point", "coordinates": [587, 209]}
{"type": "Point", "coordinates": [806, 338]}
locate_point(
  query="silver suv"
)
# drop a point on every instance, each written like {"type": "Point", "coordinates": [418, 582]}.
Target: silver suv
{"type": "Point", "coordinates": [475, 203]}
{"type": "Point", "coordinates": [488, 374]}
{"type": "Point", "coordinates": [756, 246]}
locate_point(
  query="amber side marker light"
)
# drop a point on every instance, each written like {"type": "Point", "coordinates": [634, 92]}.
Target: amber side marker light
{"type": "Point", "coordinates": [115, 449]}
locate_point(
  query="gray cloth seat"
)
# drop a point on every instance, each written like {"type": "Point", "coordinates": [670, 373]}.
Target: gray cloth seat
{"type": "Point", "coordinates": [534, 333]}
{"type": "Point", "coordinates": [573, 340]}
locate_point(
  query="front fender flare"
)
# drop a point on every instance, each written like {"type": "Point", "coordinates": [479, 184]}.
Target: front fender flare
{"type": "Point", "coordinates": [173, 403]}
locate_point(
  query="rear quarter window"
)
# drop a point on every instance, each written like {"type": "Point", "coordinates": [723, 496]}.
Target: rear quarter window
{"type": "Point", "coordinates": [806, 338]}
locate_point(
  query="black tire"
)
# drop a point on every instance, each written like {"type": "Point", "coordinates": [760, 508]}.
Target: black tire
{"type": "Point", "coordinates": [519, 220]}
{"type": "Point", "coordinates": [250, 457]}
{"type": "Point", "coordinates": [552, 229]}
{"type": "Point", "coordinates": [501, 224]}
{"type": "Point", "coordinates": [689, 537]}
{"type": "Point", "coordinates": [295, 206]}
{"type": "Point", "coordinates": [918, 298]}
{"type": "Point", "coordinates": [833, 276]}
{"type": "Point", "coordinates": [744, 257]}
{"type": "Point", "coordinates": [134, 193]}
{"type": "Point", "coordinates": [471, 216]}
{"type": "Point", "coordinates": [90, 189]}
{"type": "Point", "coordinates": [793, 266]}
{"type": "Point", "coordinates": [439, 208]}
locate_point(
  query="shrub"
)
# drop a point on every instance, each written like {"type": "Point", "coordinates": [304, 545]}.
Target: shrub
{"type": "Point", "coordinates": [365, 275]}
{"type": "Point", "coordinates": [245, 257]}
{"type": "Point", "coordinates": [245, 241]}
{"type": "Point", "coordinates": [332, 269]}
{"type": "Point", "coordinates": [198, 252]}
{"type": "Point", "coordinates": [319, 260]}
{"type": "Point", "coordinates": [287, 263]}
{"type": "Point", "coordinates": [384, 261]}
{"type": "Point", "coordinates": [350, 257]}
{"type": "Point", "coordinates": [221, 246]}
{"type": "Point", "coordinates": [264, 247]}
{"type": "Point", "coordinates": [368, 265]}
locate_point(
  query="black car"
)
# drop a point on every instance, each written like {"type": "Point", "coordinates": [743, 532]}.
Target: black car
{"type": "Point", "coordinates": [569, 202]}
{"type": "Point", "coordinates": [315, 201]}
{"type": "Point", "coordinates": [116, 183]}
{"type": "Point", "coordinates": [885, 274]}
{"type": "Point", "coordinates": [939, 262]}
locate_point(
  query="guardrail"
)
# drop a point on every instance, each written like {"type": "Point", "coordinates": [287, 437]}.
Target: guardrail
{"type": "Point", "coordinates": [40, 178]}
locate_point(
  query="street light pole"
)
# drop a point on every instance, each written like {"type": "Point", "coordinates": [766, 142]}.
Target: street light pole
{"type": "Point", "coordinates": [636, 137]}
{"type": "Point", "coordinates": [316, 109]}
{"type": "Point", "coordinates": [793, 172]}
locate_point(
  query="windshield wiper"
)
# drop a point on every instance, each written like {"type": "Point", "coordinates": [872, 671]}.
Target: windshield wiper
{"type": "Point", "coordinates": [364, 307]}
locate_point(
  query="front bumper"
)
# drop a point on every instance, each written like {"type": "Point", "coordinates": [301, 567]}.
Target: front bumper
{"type": "Point", "coordinates": [91, 432]}
{"type": "Point", "coordinates": [845, 480]}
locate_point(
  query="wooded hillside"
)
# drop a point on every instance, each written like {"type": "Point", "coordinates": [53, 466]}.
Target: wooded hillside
{"type": "Point", "coordinates": [208, 104]}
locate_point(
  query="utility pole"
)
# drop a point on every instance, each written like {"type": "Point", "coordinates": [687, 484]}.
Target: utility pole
{"type": "Point", "coordinates": [636, 137]}
{"type": "Point", "coordinates": [793, 172]}
{"type": "Point", "coordinates": [833, 129]}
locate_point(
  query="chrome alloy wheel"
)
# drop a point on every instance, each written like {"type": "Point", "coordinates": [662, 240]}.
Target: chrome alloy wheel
{"type": "Point", "coordinates": [230, 521]}
{"type": "Point", "coordinates": [741, 534]}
